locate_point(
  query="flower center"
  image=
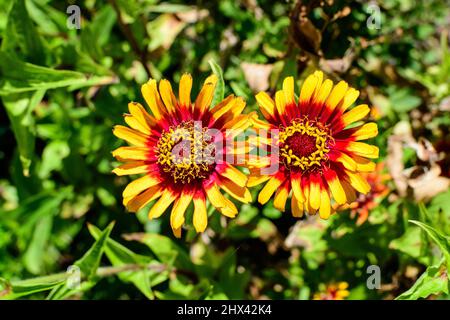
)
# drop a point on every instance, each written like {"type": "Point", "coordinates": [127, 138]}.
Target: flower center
{"type": "Point", "coordinates": [186, 152]}
{"type": "Point", "coordinates": [304, 144]}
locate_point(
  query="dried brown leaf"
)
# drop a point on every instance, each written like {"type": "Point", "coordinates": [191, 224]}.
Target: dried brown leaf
{"type": "Point", "coordinates": [257, 75]}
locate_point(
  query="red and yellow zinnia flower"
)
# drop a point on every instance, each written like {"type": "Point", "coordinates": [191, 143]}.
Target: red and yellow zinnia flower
{"type": "Point", "coordinates": [333, 292]}
{"type": "Point", "coordinates": [366, 202]}
{"type": "Point", "coordinates": [320, 153]}
{"type": "Point", "coordinates": [176, 149]}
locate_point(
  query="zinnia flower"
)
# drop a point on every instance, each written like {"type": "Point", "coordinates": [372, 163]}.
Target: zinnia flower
{"type": "Point", "coordinates": [366, 202]}
{"type": "Point", "coordinates": [176, 150]}
{"type": "Point", "coordinates": [333, 292]}
{"type": "Point", "coordinates": [320, 157]}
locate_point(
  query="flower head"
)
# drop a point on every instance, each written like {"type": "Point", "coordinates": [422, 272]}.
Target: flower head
{"type": "Point", "coordinates": [378, 190]}
{"type": "Point", "coordinates": [320, 155]}
{"type": "Point", "coordinates": [183, 151]}
{"type": "Point", "coordinates": [333, 292]}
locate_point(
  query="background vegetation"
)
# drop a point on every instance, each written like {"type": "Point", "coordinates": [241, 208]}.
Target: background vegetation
{"type": "Point", "coordinates": [63, 89]}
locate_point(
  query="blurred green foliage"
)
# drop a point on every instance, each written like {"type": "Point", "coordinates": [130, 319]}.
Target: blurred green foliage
{"type": "Point", "coordinates": [63, 89]}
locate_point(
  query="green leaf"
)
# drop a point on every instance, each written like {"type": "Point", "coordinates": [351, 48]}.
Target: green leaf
{"type": "Point", "coordinates": [19, 108]}
{"type": "Point", "coordinates": [167, 251]}
{"type": "Point", "coordinates": [21, 34]}
{"type": "Point", "coordinates": [433, 281]}
{"type": "Point", "coordinates": [89, 263]}
{"type": "Point", "coordinates": [442, 241]}
{"type": "Point", "coordinates": [62, 291]}
{"type": "Point", "coordinates": [34, 208]}
{"type": "Point", "coordinates": [97, 33]}
{"type": "Point", "coordinates": [231, 282]}
{"type": "Point", "coordinates": [52, 156]}
{"type": "Point", "coordinates": [49, 20]}
{"type": "Point", "coordinates": [402, 100]}
{"type": "Point", "coordinates": [219, 93]}
{"type": "Point", "coordinates": [410, 243]}
{"type": "Point", "coordinates": [18, 76]}
{"type": "Point", "coordinates": [17, 289]}
{"type": "Point", "coordinates": [35, 254]}
{"type": "Point", "coordinates": [119, 255]}
{"type": "Point", "coordinates": [169, 8]}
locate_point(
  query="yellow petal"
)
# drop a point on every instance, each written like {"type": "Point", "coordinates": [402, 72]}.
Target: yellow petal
{"type": "Point", "coordinates": [137, 186]}
{"type": "Point", "coordinates": [165, 89]}
{"type": "Point", "coordinates": [237, 108]}
{"type": "Point", "coordinates": [225, 106]}
{"type": "Point", "coordinates": [204, 98]}
{"type": "Point", "coordinates": [141, 200]}
{"type": "Point", "coordinates": [347, 161]}
{"type": "Point", "coordinates": [336, 95]}
{"type": "Point", "coordinates": [150, 93]}
{"type": "Point", "coordinates": [162, 204]}
{"type": "Point", "coordinates": [129, 135]}
{"type": "Point", "coordinates": [288, 89]}
{"type": "Point", "coordinates": [336, 190]}
{"type": "Point", "coordinates": [217, 199]}
{"type": "Point", "coordinates": [343, 285]}
{"type": "Point", "coordinates": [131, 153]}
{"type": "Point", "coordinates": [200, 219]}
{"type": "Point", "coordinates": [256, 180]}
{"type": "Point", "coordinates": [138, 112]}
{"type": "Point", "coordinates": [308, 88]}
{"type": "Point", "coordinates": [341, 294]}
{"type": "Point", "coordinates": [178, 210]}
{"type": "Point", "coordinates": [238, 192]}
{"type": "Point", "coordinates": [259, 140]}
{"type": "Point", "coordinates": [324, 91]}
{"type": "Point", "coordinates": [184, 90]}
{"type": "Point", "coordinates": [280, 102]}
{"type": "Point", "coordinates": [314, 195]}
{"type": "Point", "coordinates": [238, 124]}
{"type": "Point", "coordinates": [296, 207]}
{"type": "Point", "coordinates": [297, 189]}
{"type": "Point", "coordinates": [325, 207]}
{"type": "Point", "coordinates": [280, 198]}
{"type": "Point", "coordinates": [259, 124]}
{"type": "Point", "coordinates": [239, 148]}
{"type": "Point", "coordinates": [363, 149]}
{"type": "Point", "coordinates": [355, 114]}
{"type": "Point", "coordinates": [212, 79]}
{"type": "Point", "coordinates": [206, 94]}
{"type": "Point", "coordinates": [350, 97]}
{"type": "Point", "coordinates": [134, 123]}
{"type": "Point", "coordinates": [367, 131]}
{"type": "Point", "coordinates": [177, 232]}
{"type": "Point", "coordinates": [234, 175]}
{"type": "Point", "coordinates": [350, 193]}
{"type": "Point", "coordinates": [258, 162]}
{"type": "Point", "coordinates": [269, 189]}
{"type": "Point", "coordinates": [319, 76]}
{"type": "Point", "coordinates": [363, 164]}
{"type": "Point", "coordinates": [134, 167]}
{"type": "Point", "coordinates": [358, 182]}
{"type": "Point", "coordinates": [306, 206]}
{"type": "Point", "coordinates": [230, 210]}
{"type": "Point", "coordinates": [266, 104]}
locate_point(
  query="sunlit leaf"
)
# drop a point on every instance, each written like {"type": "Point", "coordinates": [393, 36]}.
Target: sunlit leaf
{"type": "Point", "coordinates": [91, 259]}
{"type": "Point", "coordinates": [219, 93]}
{"type": "Point", "coordinates": [433, 281]}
